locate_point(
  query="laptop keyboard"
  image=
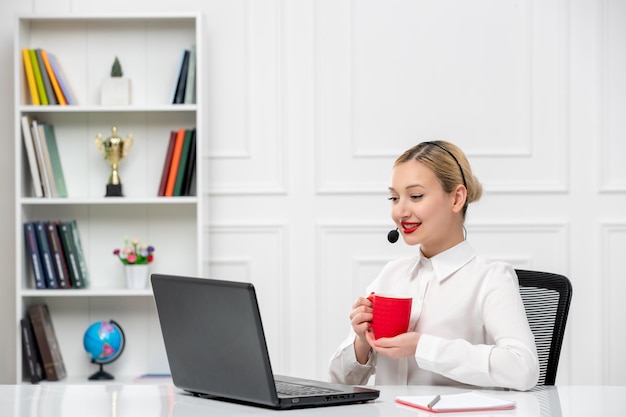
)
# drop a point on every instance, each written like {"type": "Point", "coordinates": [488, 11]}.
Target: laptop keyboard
{"type": "Point", "coordinates": [291, 389]}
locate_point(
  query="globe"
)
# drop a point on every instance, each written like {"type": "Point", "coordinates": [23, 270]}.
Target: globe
{"type": "Point", "coordinates": [104, 341]}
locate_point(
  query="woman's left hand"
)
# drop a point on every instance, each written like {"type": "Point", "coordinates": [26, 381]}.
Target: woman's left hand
{"type": "Point", "coordinates": [396, 347]}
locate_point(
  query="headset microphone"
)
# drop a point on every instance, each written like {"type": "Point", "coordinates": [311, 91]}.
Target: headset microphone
{"type": "Point", "coordinates": [393, 236]}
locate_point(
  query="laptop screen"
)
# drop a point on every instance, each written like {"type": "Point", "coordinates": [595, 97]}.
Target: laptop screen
{"type": "Point", "coordinates": [226, 357]}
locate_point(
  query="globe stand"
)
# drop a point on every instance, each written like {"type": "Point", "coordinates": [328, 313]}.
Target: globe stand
{"type": "Point", "coordinates": [101, 375]}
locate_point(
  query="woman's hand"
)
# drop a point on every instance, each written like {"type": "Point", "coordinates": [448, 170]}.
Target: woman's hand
{"type": "Point", "coordinates": [360, 318]}
{"type": "Point", "coordinates": [396, 347]}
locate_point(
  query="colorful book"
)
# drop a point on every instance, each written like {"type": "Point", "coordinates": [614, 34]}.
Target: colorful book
{"type": "Point", "coordinates": [191, 167]}
{"type": "Point", "coordinates": [167, 163]}
{"type": "Point", "coordinates": [58, 256]}
{"type": "Point", "coordinates": [62, 80]}
{"type": "Point", "coordinates": [190, 86]}
{"type": "Point", "coordinates": [53, 79]}
{"type": "Point", "coordinates": [182, 165]}
{"type": "Point", "coordinates": [41, 160]}
{"type": "Point", "coordinates": [55, 160]}
{"type": "Point", "coordinates": [82, 262]}
{"type": "Point", "coordinates": [52, 100]}
{"type": "Point", "coordinates": [32, 357]}
{"type": "Point", "coordinates": [43, 98]}
{"type": "Point", "coordinates": [71, 255]}
{"type": "Point", "coordinates": [182, 79]}
{"type": "Point", "coordinates": [31, 155]}
{"type": "Point", "coordinates": [49, 272]}
{"type": "Point", "coordinates": [30, 78]}
{"type": "Point", "coordinates": [32, 250]}
{"type": "Point", "coordinates": [53, 365]}
{"type": "Point", "coordinates": [178, 148]}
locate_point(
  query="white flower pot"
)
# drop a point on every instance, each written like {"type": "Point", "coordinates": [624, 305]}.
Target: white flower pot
{"type": "Point", "coordinates": [115, 91]}
{"type": "Point", "coordinates": [136, 276]}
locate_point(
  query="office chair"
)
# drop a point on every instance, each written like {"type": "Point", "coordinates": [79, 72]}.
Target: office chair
{"type": "Point", "coordinates": [546, 298]}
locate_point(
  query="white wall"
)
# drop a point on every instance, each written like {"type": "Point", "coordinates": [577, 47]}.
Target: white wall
{"type": "Point", "coordinates": [309, 102]}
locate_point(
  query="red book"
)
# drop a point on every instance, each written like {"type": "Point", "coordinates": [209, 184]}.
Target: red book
{"type": "Point", "coordinates": [167, 163]}
{"type": "Point", "coordinates": [178, 148]}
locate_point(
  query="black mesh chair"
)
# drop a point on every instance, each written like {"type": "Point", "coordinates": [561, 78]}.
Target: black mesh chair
{"type": "Point", "coordinates": [546, 298]}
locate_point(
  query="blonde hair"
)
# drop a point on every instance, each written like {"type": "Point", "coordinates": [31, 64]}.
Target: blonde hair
{"type": "Point", "coordinates": [449, 164]}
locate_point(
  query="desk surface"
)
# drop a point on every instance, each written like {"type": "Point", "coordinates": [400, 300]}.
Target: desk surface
{"type": "Point", "coordinates": [164, 400]}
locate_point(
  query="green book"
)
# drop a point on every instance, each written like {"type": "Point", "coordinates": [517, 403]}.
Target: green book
{"type": "Point", "coordinates": [55, 160]}
{"type": "Point", "coordinates": [182, 166]}
{"type": "Point", "coordinates": [41, 89]}
{"type": "Point", "coordinates": [82, 263]}
{"type": "Point", "coordinates": [71, 255]}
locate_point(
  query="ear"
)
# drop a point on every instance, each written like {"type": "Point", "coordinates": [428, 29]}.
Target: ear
{"type": "Point", "coordinates": [460, 195]}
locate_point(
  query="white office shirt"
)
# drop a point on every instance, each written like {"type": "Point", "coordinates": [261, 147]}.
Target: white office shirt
{"type": "Point", "coordinates": [472, 322]}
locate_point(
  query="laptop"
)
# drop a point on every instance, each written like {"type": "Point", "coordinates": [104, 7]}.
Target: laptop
{"type": "Point", "coordinates": [216, 347]}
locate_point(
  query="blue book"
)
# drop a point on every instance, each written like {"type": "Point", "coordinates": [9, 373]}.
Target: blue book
{"type": "Point", "coordinates": [32, 251]}
{"type": "Point", "coordinates": [46, 256]}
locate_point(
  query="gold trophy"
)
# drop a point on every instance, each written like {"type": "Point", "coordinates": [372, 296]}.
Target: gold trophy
{"type": "Point", "coordinates": [114, 149]}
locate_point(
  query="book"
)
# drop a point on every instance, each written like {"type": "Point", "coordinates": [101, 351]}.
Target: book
{"type": "Point", "coordinates": [58, 256]}
{"type": "Point", "coordinates": [32, 357]}
{"type": "Point", "coordinates": [52, 100]}
{"type": "Point", "coordinates": [32, 250]}
{"type": "Point", "coordinates": [82, 262]}
{"type": "Point", "coordinates": [178, 75]}
{"type": "Point", "coordinates": [178, 148]}
{"type": "Point", "coordinates": [49, 273]}
{"type": "Point", "coordinates": [190, 86]}
{"type": "Point", "coordinates": [51, 358]}
{"type": "Point", "coordinates": [43, 98]}
{"type": "Point", "coordinates": [30, 78]}
{"type": "Point", "coordinates": [53, 79]}
{"type": "Point", "coordinates": [182, 165]}
{"type": "Point", "coordinates": [41, 135]}
{"type": "Point", "coordinates": [62, 80]}
{"type": "Point", "coordinates": [41, 161]}
{"type": "Point", "coordinates": [191, 167]}
{"type": "Point", "coordinates": [179, 98]}
{"type": "Point", "coordinates": [55, 160]}
{"type": "Point", "coordinates": [29, 145]}
{"type": "Point", "coordinates": [467, 401]}
{"type": "Point", "coordinates": [167, 163]}
{"type": "Point", "coordinates": [71, 255]}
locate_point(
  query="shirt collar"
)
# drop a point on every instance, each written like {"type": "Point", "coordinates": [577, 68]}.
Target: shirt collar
{"type": "Point", "coordinates": [447, 262]}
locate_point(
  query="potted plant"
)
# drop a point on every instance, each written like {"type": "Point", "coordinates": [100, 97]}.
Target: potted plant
{"type": "Point", "coordinates": [135, 258]}
{"type": "Point", "coordinates": [116, 88]}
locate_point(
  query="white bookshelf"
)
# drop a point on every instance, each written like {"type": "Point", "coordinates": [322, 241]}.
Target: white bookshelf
{"type": "Point", "coordinates": [149, 48]}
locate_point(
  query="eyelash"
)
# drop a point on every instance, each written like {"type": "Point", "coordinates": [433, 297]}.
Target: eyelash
{"type": "Point", "coordinates": [413, 197]}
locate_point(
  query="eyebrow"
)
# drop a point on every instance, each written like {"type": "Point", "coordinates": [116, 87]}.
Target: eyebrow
{"type": "Point", "coordinates": [409, 187]}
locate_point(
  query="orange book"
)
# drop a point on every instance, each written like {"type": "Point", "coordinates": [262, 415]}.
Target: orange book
{"type": "Point", "coordinates": [53, 79]}
{"type": "Point", "coordinates": [178, 148]}
{"type": "Point", "coordinates": [30, 78]}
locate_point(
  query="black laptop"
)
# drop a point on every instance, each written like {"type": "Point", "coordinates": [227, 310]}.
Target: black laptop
{"type": "Point", "coordinates": [216, 347]}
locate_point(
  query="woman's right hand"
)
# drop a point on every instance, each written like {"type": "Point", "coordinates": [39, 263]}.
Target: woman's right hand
{"type": "Point", "coordinates": [360, 318]}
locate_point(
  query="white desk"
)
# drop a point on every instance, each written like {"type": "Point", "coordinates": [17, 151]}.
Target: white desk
{"type": "Point", "coordinates": [137, 400]}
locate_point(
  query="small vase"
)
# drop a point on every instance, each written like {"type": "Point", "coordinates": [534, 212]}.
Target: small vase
{"type": "Point", "coordinates": [136, 276]}
{"type": "Point", "coordinates": [115, 91]}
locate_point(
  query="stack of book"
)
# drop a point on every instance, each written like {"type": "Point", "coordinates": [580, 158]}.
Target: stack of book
{"type": "Point", "coordinates": [44, 159]}
{"type": "Point", "coordinates": [178, 175]}
{"type": "Point", "coordinates": [46, 81]}
{"type": "Point", "coordinates": [56, 254]}
{"type": "Point", "coordinates": [42, 354]}
{"type": "Point", "coordinates": [185, 85]}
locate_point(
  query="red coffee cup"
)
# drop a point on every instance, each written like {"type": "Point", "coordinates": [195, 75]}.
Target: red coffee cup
{"type": "Point", "coordinates": [391, 315]}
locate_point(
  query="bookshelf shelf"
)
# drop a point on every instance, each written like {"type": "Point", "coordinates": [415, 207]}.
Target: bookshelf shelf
{"type": "Point", "coordinates": [177, 108]}
{"type": "Point", "coordinates": [125, 201]}
{"type": "Point", "coordinates": [101, 292]}
{"type": "Point", "coordinates": [149, 47]}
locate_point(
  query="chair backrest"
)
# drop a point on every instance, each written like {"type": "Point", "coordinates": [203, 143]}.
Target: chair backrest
{"type": "Point", "coordinates": [546, 298]}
